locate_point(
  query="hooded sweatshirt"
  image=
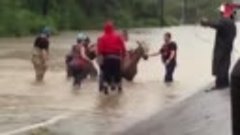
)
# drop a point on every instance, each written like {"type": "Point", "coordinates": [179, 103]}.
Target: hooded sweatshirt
{"type": "Point", "coordinates": [110, 43]}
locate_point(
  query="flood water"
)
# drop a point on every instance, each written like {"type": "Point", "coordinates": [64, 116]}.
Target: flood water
{"type": "Point", "coordinates": [24, 103]}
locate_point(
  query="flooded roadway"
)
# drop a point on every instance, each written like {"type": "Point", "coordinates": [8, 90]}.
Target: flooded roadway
{"type": "Point", "coordinates": [26, 106]}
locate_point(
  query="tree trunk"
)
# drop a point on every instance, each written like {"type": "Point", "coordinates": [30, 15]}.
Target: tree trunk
{"type": "Point", "coordinates": [45, 7]}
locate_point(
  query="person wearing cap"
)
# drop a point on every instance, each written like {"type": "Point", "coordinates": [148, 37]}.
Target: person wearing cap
{"type": "Point", "coordinates": [225, 36]}
{"type": "Point", "coordinates": [41, 54]}
{"type": "Point", "coordinates": [79, 61]}
{"type": "Point", "coordinates": [80, 39]}
{"type": "Point", "coordinates": [111, 48]}
{"type": "Point", "coordinates": [89, 52]}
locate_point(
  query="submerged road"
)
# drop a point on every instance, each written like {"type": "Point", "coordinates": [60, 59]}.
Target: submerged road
{"type": "Point", "coordinates": [52, 108]}
{"type": "Point", "coordinates": [202, 114]}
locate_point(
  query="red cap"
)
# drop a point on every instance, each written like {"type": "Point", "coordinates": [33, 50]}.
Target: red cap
{"type": "Point", "coordinates": [228, 9]}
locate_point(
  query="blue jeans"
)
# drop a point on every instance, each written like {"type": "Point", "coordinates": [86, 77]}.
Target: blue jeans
{"type": "Point", "coordinates": [170, 68]}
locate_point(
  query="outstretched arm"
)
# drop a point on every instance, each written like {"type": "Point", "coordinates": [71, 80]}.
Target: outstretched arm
{"type": "Point", "coordinates": [206, 23]}
{"type": "Point", "coordinates": [154, 54]}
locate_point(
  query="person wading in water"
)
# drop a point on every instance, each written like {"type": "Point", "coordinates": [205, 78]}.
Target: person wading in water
{"type": "Point", "coordinates": [225, 36]}
{"type": "Point", "coordinates": [112, 49]}
{"type": "Point", "coordinates": [89, 51]}
{"type": "Point", "coordinates": [41, 55]}
{"type": "Point", "coordinates": [78, 63]}
{"type": "Point", "coordinates": [169, 57]}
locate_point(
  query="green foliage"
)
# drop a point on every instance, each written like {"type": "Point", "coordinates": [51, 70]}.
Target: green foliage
{"type": "Point", "coordinates": [24, 17]}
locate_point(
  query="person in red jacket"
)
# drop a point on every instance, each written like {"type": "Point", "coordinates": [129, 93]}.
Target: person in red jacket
{"type": "Point", "coordinates": [112, 49]}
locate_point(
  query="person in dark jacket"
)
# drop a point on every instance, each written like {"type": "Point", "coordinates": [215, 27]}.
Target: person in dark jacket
{"type": "Point", "coordinates": [112, 48]}
{"type": "Point", "coordinates": [226, 33]}
{"type": "Point", "coordinates": [168, 53]}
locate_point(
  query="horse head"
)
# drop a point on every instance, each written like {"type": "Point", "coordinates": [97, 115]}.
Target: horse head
{"type": "Point", "coordinates": [142, 50]}
{"type": "Point", "coordinates": [129, 70]}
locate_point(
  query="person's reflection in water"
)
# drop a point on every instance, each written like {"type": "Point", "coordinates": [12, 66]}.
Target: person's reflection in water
{"type": "Point", "coordinates": [109, 108]}
{"type": "Point", "coordinates": [111, 102]}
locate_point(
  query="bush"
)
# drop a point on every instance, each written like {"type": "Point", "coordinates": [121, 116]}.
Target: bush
{"type": "Point", "coordinates": [26, 17]}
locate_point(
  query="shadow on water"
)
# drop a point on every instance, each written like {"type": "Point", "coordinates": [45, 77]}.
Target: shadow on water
{"type": "Point", "coordinates": [109, 102]}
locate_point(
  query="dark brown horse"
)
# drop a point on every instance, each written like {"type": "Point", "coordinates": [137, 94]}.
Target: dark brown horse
{"type": "Point", "coordinates": [130, 63]}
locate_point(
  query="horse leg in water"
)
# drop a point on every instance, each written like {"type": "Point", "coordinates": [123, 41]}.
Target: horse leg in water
{"type": "Point", "coordinates": [69, 72]}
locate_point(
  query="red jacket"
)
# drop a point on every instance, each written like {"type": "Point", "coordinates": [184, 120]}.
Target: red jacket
{"type": "Point", "coordinates": [111, 42]}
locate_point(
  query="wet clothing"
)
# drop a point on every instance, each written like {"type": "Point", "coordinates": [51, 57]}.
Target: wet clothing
{"type": "Point", "coordinates": [40, 64]}
{"type": "Point", "coordinates": [112, 48]}
{"type": "Point", "coordinates": [112, 69]}
{"type": "Point", "coordinates": [111, 42]}
{"type": "Point", "coordinates": [170, 68]}
{"type": "Point", "coordinates": [77, 65]}
{"type": "Point", "coordinates": [165, 52]}
{"type": "Point", "coordinates": [226, 33]}
{"type": "Point", "coordinates": [42, 43]}
{"type": "Point", "coordinates": [78, 75]}
{"type": "Point", "coordinates": [77, 60]}
{"type": "Point", "coordinates": [90, 70]}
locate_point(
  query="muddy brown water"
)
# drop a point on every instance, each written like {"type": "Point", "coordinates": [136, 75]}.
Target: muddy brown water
{"type": "Point", "coordinates": [24, 103]}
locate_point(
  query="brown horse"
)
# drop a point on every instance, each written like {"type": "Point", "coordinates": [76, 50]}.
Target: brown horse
{"type": "Point", "coordinates": [130, 63]}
